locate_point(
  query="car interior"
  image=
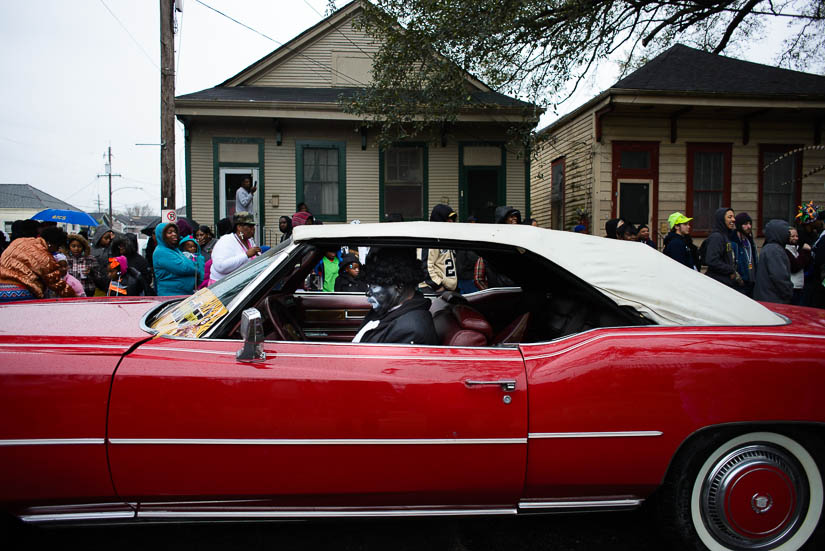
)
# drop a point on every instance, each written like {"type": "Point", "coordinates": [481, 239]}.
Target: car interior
{"type": "Point", "coordinates": [534, 301]}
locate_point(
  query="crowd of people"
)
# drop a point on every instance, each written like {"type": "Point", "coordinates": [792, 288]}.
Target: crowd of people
{"type": "Point", "coordinates": [789, 269]}
{"type": "Point", "coordinates": [43, 261]}
{"type": "Point", "coordinates": [40, 260]}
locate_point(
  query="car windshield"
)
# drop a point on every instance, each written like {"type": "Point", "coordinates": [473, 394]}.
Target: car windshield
{"type": "Point", "coordinates": [195, 314]}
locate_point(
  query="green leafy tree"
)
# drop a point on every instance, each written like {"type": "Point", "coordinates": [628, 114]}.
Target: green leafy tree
{"type": "Point", "coordinates": [541, 50]}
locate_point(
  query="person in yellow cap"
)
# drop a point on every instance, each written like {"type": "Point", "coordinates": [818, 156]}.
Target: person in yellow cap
{"type": "Point", "coordinates": [678, 244]}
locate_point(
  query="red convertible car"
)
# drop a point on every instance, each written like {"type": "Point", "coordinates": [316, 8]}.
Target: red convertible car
{"type": "Point", "coordinates": [604, 376]}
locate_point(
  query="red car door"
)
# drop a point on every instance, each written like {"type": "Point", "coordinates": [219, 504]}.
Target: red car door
{"type": "Point", "coordinates": [318, 425]}
{"type": "Point", "coordinates": [52, 437]}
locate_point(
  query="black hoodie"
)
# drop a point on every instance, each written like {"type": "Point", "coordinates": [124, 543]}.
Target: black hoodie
{"type": "Point", "coordinates": [773, 273]}
{"type": "Point", "coordinates": [102, 254]}
{"type": "Point", "coordinates": [720, 257]}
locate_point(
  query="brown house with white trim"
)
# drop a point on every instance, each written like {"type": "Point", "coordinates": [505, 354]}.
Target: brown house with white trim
{"type": "Point", "coordinates": [280, 122]}
{"type": "Point", "coordinates": [689, 131]}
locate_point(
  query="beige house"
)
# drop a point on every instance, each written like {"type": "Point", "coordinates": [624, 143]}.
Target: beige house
{"type": "Point", "coordinates": [690, 132]}
{"type": "Point", "coordinates": [279, 122]}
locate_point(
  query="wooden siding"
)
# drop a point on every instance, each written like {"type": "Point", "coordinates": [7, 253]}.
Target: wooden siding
{"type": "Point", "coordinates": [362, 180]}
{"type": "Point", "coordinates": [443, 176]}
{"type": "Point", "coordinates": [311, 65]}
{"type": "Point", "coordinates": [362, 191]}
{"type": "Point", "coordinates": [515, 181]}
{"type": "Point", "coordinates": [575, 143]}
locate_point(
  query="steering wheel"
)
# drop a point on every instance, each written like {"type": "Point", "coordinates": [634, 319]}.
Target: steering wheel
{"type": "Point", "coordinates": [286, 327]}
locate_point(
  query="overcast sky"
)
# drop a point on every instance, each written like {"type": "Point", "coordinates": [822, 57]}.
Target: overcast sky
{"type": "Point", "coordinates": [80, 76]}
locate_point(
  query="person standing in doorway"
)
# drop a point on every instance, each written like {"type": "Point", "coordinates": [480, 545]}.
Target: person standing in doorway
{"type": "Point", "coordinates": [244, 195]}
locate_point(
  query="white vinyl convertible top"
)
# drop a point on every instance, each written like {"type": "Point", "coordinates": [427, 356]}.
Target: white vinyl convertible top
{"type": "Point", "coordinates": [629, 273]}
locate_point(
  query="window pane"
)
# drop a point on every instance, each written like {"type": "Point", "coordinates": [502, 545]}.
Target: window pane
{"type": "Point", "coordinates": [708, 171]}
{"type": "Point", "coordinates": [708, 186]}
{"type": "Point", "coordinates": [634, 159]}
{"type": "Point", "coordinates": [404, 182]}
{"type": "Point", "coordinates": [321, 180]}
{"type": "Point", "coordinates": [778, 187]}
{"type": "Point", "coordinates": [705, 204]}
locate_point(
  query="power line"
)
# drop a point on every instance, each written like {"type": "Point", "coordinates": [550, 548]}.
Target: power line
{"type": "Point", "coordinates": [296, 52]}
{"type": "Point", "coordinates": [236, 21]}
{"type": "Point", "coordinates": [94, 179]}
{"type": "Point", "coordinates": [130, 35]}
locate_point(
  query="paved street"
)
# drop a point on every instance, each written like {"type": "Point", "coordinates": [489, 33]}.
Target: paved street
{"type": "Point", "coordinates": [615, 531]}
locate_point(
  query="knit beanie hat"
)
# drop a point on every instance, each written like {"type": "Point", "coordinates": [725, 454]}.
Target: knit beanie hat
{"type": "Point", "coordinates": [743, 218]}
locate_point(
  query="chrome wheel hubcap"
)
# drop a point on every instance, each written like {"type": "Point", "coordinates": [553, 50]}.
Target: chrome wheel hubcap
{"type": "Point", "coordinates": [754, 497]}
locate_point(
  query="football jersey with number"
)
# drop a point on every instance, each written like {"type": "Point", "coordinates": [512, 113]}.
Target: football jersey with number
{"type": "Point", "coordinates": [441, 269]}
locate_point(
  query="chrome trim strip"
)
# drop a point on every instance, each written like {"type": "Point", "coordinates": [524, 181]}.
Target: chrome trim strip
{"type": "Point", "coordinates": [331, 513]}
{"type": "Point", "coordinates": [49, 517]}
{"type": "Point", "coordinates": [526, 347]}
{"type": "Point", "coordinates": [315, 441]}
{"type": "Point", "coordinates": [617, 434]}
{"type": "Point", "coordinates": [41, 345]}
{"type": "Point", "coordinates": [337, 356]}
{"type": "Point", "coordinates": [51, 441]}
{"type": "Point", "coordinates": [580, 504]}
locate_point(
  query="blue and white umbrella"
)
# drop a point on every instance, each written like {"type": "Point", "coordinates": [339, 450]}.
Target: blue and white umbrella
{"type": "Point", "coordinates": [65, 216]}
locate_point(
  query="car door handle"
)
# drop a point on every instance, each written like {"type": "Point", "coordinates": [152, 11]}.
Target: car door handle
{"type": "Point", "coordinates": [348, 316]}
{"type": "Point", "coordinates": [506, 385]}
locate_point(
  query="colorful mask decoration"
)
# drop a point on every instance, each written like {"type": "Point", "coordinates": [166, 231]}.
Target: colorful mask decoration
{"type": "Point", "coordinates": [807, 213]}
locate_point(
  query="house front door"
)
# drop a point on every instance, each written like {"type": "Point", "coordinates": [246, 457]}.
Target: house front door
{"type": "Point", "coordinates": [482, 193]}
{"type": "Point", "coordinates": [634, 201]}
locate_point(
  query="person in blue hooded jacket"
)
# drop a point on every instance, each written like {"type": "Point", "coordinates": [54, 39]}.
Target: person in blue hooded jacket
{"type": "Point", "coordinates": [174, 273]}
{"type": "Point", "coordinates": [191, 249]}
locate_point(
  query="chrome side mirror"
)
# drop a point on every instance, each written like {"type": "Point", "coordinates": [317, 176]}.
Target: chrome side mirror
{"type": "Point", "coordinates": [252, 333]}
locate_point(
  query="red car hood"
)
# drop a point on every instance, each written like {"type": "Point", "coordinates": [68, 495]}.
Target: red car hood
{"type": "Point", "coordinates": [113, 324]}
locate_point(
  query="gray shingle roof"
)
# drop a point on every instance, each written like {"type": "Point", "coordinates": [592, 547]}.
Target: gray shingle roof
{"type": "Point", "coordinates": [24, 196]}
{"type": "Point", "coordinates": [684, 69]}
{"type": "Point", "coordinates": [317, 95]}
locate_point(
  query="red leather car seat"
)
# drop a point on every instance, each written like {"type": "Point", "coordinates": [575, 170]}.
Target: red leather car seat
{"type": "Point", "coordinates": [461, 325]}
{"type": "Point", "coordinates": [514, 332]}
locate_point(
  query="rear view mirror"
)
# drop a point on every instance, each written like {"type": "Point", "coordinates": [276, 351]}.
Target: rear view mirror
{"type": "Point", "coordinates": [252, 333]}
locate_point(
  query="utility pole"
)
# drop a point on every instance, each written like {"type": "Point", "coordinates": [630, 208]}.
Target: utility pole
{"type": "Point", "coordinates": [167, 112]}
{"type": "Point", "coordinates": [109, 175]}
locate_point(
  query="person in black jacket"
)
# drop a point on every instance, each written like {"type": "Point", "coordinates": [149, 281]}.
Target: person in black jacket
{"type": "Point", "coordinates": [348, 281]}
{"type": "Point", "coordinates": [721, 250]}
{"type": "Point", "coordinates": [677, 242]}
{"type": "Point", "coordinates": [773, 273]}
{"type": "Point", "coordinates": [400, 313]}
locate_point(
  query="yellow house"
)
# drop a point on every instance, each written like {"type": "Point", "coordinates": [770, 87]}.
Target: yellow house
{"type": "Point", "coordinates": [690, 132]}
{"type": "Point", "coordinates": [279, 122]}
